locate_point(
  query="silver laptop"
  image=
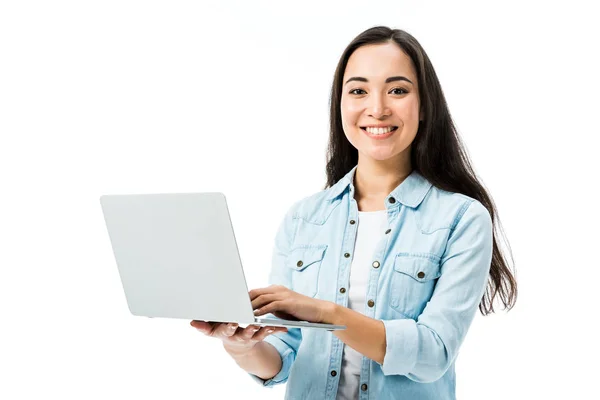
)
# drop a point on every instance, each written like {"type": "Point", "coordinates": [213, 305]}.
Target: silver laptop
{"type": "Point", "coordinates": [178, 258]}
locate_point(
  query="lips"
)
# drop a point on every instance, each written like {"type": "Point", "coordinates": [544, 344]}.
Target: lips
{"type": "Point", "coordinates": [379, 136]}
{"type": "Point", "coordinates": [378, 129]}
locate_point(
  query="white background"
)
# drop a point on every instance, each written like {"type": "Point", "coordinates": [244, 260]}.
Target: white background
{"type": "Point", "coordinates": [106, 97]}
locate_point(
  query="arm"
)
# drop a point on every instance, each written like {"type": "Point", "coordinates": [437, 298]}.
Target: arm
{"type": "Point", "coordinates": [285, 344]}
{"type": "Point", "coordinates": [263, 360]}
{"type": "Point", "coordinates": [359, 327]}
{"type": "Point", "coordinates": [423, 350]}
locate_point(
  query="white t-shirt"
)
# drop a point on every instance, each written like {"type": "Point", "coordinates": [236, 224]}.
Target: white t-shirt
{"type": "Point", "coordinates": [371, 229]}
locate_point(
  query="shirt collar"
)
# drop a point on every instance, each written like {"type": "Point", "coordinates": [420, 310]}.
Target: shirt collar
{"type": "Point", "coordinates": [410, 192]}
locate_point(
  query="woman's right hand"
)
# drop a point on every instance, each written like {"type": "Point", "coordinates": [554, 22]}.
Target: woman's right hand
{"type": "Point", "coordinates": [236, 340]}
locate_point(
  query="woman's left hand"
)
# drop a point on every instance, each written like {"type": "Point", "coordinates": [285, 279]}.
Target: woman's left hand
{"type": "Point", "coordinates": [287, 304]}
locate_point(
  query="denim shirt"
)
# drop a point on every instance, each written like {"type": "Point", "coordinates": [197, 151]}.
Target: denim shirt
{"type": "Point", "coordinates": [428, 275]}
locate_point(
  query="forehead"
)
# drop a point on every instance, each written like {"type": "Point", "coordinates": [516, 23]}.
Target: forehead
{"type": "Point", "coordinates": [378, 62]}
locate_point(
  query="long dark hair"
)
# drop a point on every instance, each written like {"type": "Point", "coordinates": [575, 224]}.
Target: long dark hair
{"type": "Point", "coordinates": [437, 152]}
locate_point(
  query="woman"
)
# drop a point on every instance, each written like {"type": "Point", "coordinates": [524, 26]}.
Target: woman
{"type": "Point", "coordinates": [399, 247]}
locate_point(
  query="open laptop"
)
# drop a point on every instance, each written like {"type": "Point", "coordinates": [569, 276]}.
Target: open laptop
{"type": "Point", "coordinates": [178, 258]}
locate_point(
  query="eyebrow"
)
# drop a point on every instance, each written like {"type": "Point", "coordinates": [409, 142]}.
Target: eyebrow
{"type": "Point", "coordinates": [388, 80]}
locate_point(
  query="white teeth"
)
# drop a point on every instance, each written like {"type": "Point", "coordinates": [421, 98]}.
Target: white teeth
{"type": "Point", "coordinates": [378, 131]}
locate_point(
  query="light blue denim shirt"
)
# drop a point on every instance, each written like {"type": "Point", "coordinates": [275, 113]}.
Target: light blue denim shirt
{"type": "Point", "coordinates": [428, 276]}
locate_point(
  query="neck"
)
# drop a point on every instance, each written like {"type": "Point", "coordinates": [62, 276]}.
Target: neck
{"type": "Point", "coordinates": [375, 179]}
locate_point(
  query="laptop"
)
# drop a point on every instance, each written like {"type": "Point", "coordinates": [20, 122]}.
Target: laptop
{"type": "Point", "coordinates": [178, 258]}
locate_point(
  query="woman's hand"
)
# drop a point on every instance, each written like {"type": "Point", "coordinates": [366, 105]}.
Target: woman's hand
{"type": "Point", "coordinates": [287, 304]}
{"type": "Point", "coordinates": [236, 340]}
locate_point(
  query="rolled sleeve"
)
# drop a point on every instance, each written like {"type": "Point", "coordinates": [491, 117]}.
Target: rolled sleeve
{"type": "Point", "coordinates": [401, 351]}
{"type": "Point", "coordinates": [423, 350]}
{"type": "Point", "coordinates": [288, 355]}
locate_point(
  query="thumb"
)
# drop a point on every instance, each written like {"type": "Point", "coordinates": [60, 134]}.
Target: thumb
{"type": "Point", "coordinates": [202, 326]}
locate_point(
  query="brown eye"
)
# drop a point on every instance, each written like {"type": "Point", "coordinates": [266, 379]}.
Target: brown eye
{"type": "Point", "coordinates": [354, 90]}
{"type": "Point", "coordinates": [398, 89]}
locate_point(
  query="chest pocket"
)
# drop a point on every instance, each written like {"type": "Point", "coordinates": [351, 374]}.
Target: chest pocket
{"type": "Point", "coordinates": [413, 281]}
{"type": "Point", "coordinates": [306, 264]}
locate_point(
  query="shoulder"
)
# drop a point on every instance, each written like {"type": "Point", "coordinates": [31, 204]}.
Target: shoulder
{"type": "Point", "coordinates": [442, 209]}
{"type": "Point", "coordinates": [314, 207]}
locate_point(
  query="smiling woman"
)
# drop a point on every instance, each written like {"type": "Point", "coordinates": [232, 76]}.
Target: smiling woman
{"type": "Point", "coordinates": [399, 247]}
{"type": "Point", "coordinates": [380, 100]}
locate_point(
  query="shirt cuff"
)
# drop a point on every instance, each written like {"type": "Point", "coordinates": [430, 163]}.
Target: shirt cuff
{"type": "Point", "coordinates": [287, 359]}
{"type": "Point", "coordinates": [401, 348]}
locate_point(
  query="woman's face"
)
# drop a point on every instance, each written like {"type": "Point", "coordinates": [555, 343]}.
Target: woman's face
{"type": "Point", "coordinates": [380, 102]}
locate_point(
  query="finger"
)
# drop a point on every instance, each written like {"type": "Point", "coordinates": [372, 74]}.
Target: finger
{"type": "Point", "coordinates": [254, 293]}
{"type": "Point", "coordinates": [266, 331]}
{"type": "Point", "coordinates": [227, 330]}
{"type": "Point", "coordinates": [199, 324]}
{"type": "Point", "coordinates": [277, 305]}
{"type": "Point", "coordinates": [263, 299]}
{"type": "Point", "coordinates": [262, 333]}
{"type": "Point", "coordinates": [272, 289]}
{"type": "Point", "coordinates": [249, 332]}
{"type": "Point", "coordinates": [203, 326]}
{"type": "Point", "coordinates": [244, 334]}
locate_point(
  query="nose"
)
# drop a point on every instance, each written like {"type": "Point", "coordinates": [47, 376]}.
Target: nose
{"type": "Point", "coordinates": [377, 107]}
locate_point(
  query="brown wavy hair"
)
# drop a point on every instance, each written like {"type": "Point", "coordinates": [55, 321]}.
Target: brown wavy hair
{"type": "Point", "coordinates": [437, 151]}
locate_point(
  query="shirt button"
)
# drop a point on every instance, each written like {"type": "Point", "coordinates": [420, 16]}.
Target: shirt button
{"type": "Point", "coordinates": [352, 222]}
{"type": "Point", "coordinates": [388, 231]}
{"type": "Point", "coordinates": [343, 290]}
{"type": "Point", "coordinates": [364, 387]}
{"type": "Point", "coordinates": [392, 200]}
{"type": "Point", "coordinates": [299, 263]}
{"type": "Point", "coordinates": [347, 255]}
{"type": "Point", "coordinates": [376, 264]}
{"type": "Point", "coordinates": [371, 303]}
{"type": "Point", "coordinates": [333, 373]}
{"type": "Point", "coordinates": [421, 275]}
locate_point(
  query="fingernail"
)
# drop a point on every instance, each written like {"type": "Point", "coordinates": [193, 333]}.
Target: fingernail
{"type": "Point", "coordinates": [233, 327]}
{"type": "Point", "coordinates": [270, 330]}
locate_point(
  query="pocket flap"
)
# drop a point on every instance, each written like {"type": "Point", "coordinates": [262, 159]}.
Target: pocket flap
{"type": "Point", "coordinates": [421, 267]}
{"type": "Point", "coordinates": [303, 256]}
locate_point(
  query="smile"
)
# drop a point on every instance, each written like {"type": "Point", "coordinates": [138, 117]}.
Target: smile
{"type": "Point", "coordinates": [379, 133]}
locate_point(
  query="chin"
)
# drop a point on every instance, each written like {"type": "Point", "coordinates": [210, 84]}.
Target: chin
{"type": "Point", "coordinates": [380, 157]}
